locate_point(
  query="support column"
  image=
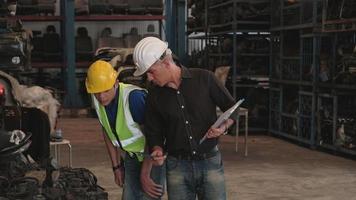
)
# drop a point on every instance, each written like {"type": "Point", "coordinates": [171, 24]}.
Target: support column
{"type": "Point", "coordinates": [175, 23]}
{"type": "Point", "coordinates": [71, 99]}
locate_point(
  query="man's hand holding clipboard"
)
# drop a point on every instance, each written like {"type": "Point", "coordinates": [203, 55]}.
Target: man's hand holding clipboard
{"type": "Point", "coordinates": [222, 123]}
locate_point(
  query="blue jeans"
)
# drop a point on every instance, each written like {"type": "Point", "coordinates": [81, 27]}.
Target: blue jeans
{"type": "Point", "coordinates": [188, 179]}
{"type": "Point", "coordinates": [132, 189]}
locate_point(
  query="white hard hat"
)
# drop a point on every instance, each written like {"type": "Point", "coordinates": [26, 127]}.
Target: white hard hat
{"type": "Point", "coordinates": [147, 52]}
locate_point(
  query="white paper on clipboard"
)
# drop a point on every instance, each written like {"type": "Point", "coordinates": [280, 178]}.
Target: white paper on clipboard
{"type": "Point", "coordinates": [223, 117]}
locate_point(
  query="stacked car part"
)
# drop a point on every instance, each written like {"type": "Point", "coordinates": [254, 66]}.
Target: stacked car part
{"type": "Point", "coordinates": [15, 49]}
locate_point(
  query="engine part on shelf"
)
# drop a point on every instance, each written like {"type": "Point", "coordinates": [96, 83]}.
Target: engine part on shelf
{"type": "Point", "coordinates": [324, 70]}
{"type": "Point", "coordinates": [291, 16]}
{"type": "Point", "coordinates": [151, 31]}
{"type": "Point", "coordinates": [290, 70]}
{"type": "Point", "coordinates": [132, 38]}
{"type": "Point", "coordinates": [198, 17]}
{"type": "Point", "coordinates": [197, 58]}
{"type": "Point", "coordinates": [119, 6]}
{"type": "Point", "coordinates": [345, 78]}
{"type": "Point", "coordinates": [346, 133]}
{"type": "Point", "coordinates": [346, 68]}
{"type": "Point", "coordinates": [341, 9]}
{"type": "Point", "coordinates": [253, 45]}
{"type": "Point", "coordinates": [306, 104]}
{"type": "Point", "coordinates": [276, 12]}
{"type": "Point", "coordinates": [214, 17]}
{"type": "Point", "coordinates": [190, 23]}
{"type": "Point", "coordinates": [52, 49]}
{"type": "Point", "coordinates": [257, 66]}
{"type": "Point", "coordinates": [46, 6]}
{"type": "Point", "coordinates": [226, 45]}
{"type": "Point", "coordinates": [83, 45]}
{"type": "Point", "coordinates": [8, 7]}
{"type": "Point", "coordinates": [99, 7]}
{"type": "Point", "coordinates": [81, 7]}
{"type": "Point", "coordinates": [346, 105]}
{"type": "Point", "coordinates": [37, 45]}
{"type": "Point", "coordinates": [326, 132]}
{"type": "Point", "coordinates": [214, 2]}
{"type": "Point", "coordinates": [326, 110]}
{"type": "Point", "coordinates": [136, 7]}
{"type": "Point", "coordinates": [154, 7]}
{"type": "Point", "coordinates": [106, 40]}
{"type": "Point", "coordinates": [26, 7]}
{"type": "Point", "coordinates": [305, 127]}
{"type": "Point", "coordinates": [15, 48]}
{"type": "Point", "coordinates": [289, 125]}
{"type": "Point", "coordinates": [251, 11]}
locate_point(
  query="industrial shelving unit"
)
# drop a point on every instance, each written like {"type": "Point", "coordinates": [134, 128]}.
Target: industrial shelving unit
{"type": "Point", "coordinates": [313, 80]}
{"type": "Point", "coordinates": [235, 33]}
{"type": "Point", "coordinates": [336, 86]}
{"type": "Point", "coordinates": [295, 53]}
{"type": "Point", "coordinates": [71, 71]}
{"type": "Point", "coordinates": [239, 31]}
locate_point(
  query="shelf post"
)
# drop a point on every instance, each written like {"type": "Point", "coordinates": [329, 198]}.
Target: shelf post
{"type": "Point", "coordinates": [71, 99]}
{"type": "Point", "coordinates": [176, 27]}
{"type": "Point", "coordinates": [181, 32]}
{"type": "Point", "coordinates": [170, 24]}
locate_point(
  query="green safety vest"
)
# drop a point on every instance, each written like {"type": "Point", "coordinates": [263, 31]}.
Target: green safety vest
{"type": "Point", "coordinates": [131, 138]}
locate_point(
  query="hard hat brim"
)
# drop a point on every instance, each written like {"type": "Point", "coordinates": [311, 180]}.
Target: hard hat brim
{"type": "Point", "coordinates": [139, 72]}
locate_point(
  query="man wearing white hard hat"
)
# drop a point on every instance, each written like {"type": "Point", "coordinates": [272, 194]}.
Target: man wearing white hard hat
{"type": "Point", "coordinates": [180, 110]}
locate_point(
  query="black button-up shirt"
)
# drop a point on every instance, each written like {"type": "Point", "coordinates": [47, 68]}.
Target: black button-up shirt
{"type": "Point", "coordinates": [177, 119]}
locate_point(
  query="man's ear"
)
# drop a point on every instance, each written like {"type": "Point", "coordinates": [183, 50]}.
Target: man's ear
{"type": "Point", "coordinates": [167, 61]}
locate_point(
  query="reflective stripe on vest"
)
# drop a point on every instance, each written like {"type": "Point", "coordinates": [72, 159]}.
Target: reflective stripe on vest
{"type": "Point", "coordinates": [127, 130]}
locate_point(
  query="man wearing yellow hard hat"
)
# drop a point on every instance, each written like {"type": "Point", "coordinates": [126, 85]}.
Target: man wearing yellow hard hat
{"type": "Point", "coordinates": [120, 108]}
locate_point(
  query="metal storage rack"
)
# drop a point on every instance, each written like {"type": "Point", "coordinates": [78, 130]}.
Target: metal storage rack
{"type": "Point", "coordinates": [312, 94]}
{"type": "Point", "coordinates": [336, 116]}
{"type": "Point", "coordinates": [295, 52]}
{"type": "Point", "coordinates": [70, 70]}
{"type": "Point", "coordinates": [236, 33]}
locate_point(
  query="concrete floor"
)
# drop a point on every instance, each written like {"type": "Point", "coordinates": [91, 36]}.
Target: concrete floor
{"type": "Point", "coordinates": [274, 168]}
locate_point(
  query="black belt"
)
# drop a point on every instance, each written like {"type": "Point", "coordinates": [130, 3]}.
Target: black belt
{"type": "Point", "coordinates": [198, 156]}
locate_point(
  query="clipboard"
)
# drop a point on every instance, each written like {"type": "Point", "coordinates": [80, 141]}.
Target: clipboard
{"type": "Point", "coordinates": [223, 117]}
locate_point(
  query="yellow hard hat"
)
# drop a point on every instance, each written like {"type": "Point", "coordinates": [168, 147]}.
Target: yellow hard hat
{"type": "Point", "coordinates": [101, 76]}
